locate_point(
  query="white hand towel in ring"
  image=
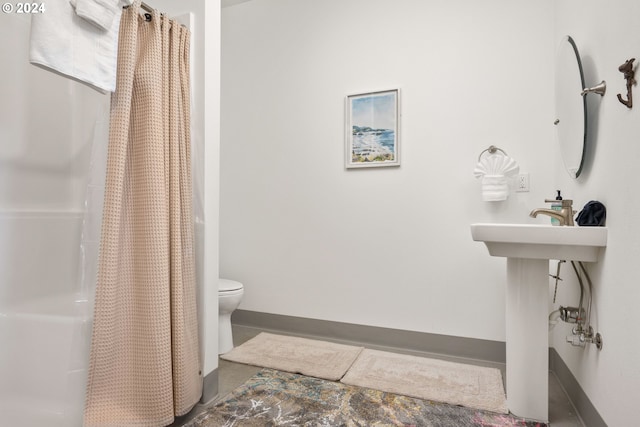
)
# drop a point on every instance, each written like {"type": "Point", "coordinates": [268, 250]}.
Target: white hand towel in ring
{"type": "Point", "coordinates": [495, 171]}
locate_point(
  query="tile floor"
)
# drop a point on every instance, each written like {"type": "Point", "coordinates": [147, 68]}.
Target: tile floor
{"type": "Point", "coordinates": [231, 375]}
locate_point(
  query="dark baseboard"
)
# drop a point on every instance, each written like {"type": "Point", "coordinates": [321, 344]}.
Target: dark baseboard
{"type": "Point", "coordinates": [588, 413]}
{"type": "Point", "coordinates": [469, 348]}
{"type": "Point", "coordinates": [209, 387]}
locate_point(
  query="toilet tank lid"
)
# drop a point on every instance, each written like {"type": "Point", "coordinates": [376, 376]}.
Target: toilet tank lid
{"type": "Point", "coordinates": [228, 285]}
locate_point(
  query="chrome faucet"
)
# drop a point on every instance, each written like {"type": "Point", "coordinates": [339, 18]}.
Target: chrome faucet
{"type": "Point", "coordinates": [564, 215]}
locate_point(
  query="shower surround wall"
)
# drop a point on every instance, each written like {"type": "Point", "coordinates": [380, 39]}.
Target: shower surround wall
{"type": "Point", "coordinates": [49, 174]}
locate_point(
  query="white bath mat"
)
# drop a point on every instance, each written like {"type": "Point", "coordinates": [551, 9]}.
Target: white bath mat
{"type": "Point", "coordinates": [314, 358]}
{"type": "Point", "coordinates": [438, 380]}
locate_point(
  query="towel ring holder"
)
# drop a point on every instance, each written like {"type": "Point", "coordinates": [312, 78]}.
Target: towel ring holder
{"type": "Point", "coordinates": [492, 149]}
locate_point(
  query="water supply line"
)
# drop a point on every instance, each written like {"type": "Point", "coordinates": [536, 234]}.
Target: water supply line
{"type": "Point", "coordinates": [580, 313]}
{"type": "Point", "coordinates": [586, 275]}
{"type": "Point", "coordinates": [582, 333]}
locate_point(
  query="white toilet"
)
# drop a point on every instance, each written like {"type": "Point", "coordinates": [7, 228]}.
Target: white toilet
{"type": "Point", "coordinates": [229, 295]}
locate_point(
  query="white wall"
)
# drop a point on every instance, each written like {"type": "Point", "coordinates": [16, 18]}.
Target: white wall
{"type": "Point", "coordinates": [386, 247]}
{"type": "Point", "coordinates": [211, 137]}
{"type": "Point", "coordinates": [313, 240]}
{"type": "Point", "coordinates": [606, 37]}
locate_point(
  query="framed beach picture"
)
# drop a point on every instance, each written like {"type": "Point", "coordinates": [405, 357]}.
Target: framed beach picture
{"type": "Point", "coordinates": [372, 136]}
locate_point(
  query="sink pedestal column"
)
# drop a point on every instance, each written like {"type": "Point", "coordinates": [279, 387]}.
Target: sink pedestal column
{"type": "Point", "coordinates": [527, 333]}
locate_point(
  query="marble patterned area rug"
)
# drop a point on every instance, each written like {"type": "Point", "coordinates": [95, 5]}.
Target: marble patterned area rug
{"type": "Point", "coordinates": [272, 398]}
{"type": "Point", "coordinates": [320, 359]}
{"type": "Point", "coordinates": [443, 381]}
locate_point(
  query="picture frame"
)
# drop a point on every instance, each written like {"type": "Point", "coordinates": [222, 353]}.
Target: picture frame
{"type": "Point", "coordinates": [372, 129]}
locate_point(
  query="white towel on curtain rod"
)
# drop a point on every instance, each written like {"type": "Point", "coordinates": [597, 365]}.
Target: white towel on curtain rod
{"type": "Point", "coordinates": [100, 13]}
{"type": "Point", "coordinates": [63, 42]}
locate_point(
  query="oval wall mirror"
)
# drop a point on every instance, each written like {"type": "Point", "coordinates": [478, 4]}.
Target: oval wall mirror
{"type": "Point", "coordinates": [571, 107]}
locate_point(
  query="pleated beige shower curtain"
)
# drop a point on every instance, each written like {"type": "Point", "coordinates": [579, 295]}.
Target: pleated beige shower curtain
{"type": "Point", "coordinates": [144, 364]}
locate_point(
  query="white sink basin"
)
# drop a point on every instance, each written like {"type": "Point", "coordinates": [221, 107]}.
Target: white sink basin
{"type": "Point", "coordinates": [539, 241]}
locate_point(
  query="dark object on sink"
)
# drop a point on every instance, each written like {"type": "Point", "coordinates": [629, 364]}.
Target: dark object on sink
{"type": "Point", "coordinates": [593, 214]}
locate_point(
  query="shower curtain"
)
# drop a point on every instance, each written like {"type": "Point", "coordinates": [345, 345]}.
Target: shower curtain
{"type": "Point", "coordinates": [144, 364]}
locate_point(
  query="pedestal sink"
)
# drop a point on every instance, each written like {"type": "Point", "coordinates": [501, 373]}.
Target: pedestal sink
{"type": "Point", "coordinates": [528, 249]}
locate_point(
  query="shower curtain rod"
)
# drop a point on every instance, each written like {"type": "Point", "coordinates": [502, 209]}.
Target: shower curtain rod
{"type": "Point", "coordinates": [148, 9]}
{"type": "Point", "coordinates": [143, 5]}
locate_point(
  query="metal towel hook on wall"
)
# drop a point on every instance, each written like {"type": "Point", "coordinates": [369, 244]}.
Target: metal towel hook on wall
{"type": "Point", "coordinates": [629, 73]}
